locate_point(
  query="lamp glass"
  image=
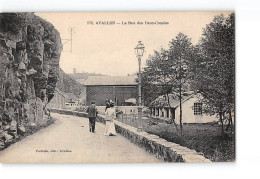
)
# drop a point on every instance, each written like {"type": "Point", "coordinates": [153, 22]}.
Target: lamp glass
{"type": "Point", "coordinates": [139, 49]}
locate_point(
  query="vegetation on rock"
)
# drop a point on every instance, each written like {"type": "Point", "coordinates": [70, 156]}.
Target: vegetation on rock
{"type": "Point", "coordinates": [30, 50]}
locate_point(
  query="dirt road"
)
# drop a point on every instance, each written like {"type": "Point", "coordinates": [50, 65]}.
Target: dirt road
{"type": "Point", "coordinates": [68, 140]}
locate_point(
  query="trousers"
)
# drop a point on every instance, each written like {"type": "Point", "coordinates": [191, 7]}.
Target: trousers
{"type": "Point", "coordinates": [92, 123]}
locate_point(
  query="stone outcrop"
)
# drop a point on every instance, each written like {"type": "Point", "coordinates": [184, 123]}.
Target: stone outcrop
{"type": "Point", "coordinates": [66, 84]}
{"type": "Point", "coordinates": [30, 49]}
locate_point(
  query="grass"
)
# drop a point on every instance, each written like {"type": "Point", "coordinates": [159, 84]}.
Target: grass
{"type": "Point", "coordinates": [204, 138]}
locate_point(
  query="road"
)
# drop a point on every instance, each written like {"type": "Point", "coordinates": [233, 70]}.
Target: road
{"type": "Point", "coordinates": [68, 140]}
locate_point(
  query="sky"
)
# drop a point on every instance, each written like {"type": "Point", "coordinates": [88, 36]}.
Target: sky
{"type": "Point", "coordinates": [109, 49]}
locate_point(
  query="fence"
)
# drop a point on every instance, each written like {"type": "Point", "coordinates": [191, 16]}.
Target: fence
{"type": "Point", "coordinates": [125, 114]}
{"type": "Point", "coordinates": [122, 109]}
{"type": "Point", "coordinates": [130, 119]}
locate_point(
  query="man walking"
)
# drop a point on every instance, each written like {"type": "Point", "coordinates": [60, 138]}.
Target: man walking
{"type": "Point", "coordinates": [92, 114]}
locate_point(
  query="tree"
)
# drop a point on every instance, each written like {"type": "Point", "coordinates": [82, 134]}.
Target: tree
{"type": "Point", "coordinates": [167, 72]}
{"type": "Point", "coordinates": [157, 77]}
{"type": "Point", "coordinates": [213, 68]}
{"type": "Point", "coordinates": [180, 57]}
{"type": "Point", "coordinates": [150, 90]}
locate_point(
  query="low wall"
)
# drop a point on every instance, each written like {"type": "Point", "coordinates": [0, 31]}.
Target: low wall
{"type": "Point", "coordinates": [76, 113]}
{"type": "Point", "coordinates": [162, 149]}
{"type": "Point", "coordinates": [124, 109]}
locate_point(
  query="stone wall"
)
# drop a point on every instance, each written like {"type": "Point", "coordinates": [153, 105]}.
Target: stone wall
{"type": "Point", "coordinates": [162, 149]}
{"type": "Point", "coordinates": [30, 50]}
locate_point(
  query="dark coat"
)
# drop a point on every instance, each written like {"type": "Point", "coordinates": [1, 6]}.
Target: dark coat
{"type": "Point", "coordinates": [107, 105]}
{"type": "Point", "coordinates": [92, 111]}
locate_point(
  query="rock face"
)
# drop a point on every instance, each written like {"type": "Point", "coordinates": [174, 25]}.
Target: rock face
{"type": "Point", "coordinates": [66, 84]}
{"type": "Point", "coordinates": [30, 49]}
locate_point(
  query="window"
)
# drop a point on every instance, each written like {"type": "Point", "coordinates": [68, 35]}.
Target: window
{"type": "Point", "coordinates": [173, 113]}
{"type": "Point", "coordinates": [162, 112]}
{"type": "Point", "coordinates": [197, 108]}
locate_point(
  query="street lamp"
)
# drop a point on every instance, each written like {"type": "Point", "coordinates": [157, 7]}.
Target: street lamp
{"type": "Point", "coordinates": [139, 51]}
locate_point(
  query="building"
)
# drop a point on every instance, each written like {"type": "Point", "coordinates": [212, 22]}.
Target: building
{"type": "Point", "coordinates": [129, 102]}
{"type": "Point", "coordinates": [116, 88]}
{"type": "Point", "coordinates": [191, 109]}
{"type": "Point", "coordinates": [71, 100]}
{"type": "Point", "coordinates": [58, 100]}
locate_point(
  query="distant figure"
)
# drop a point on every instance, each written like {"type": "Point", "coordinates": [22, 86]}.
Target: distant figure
{"type": "Point", "coordinates": [107, 104]}
{"type": "Point", "coordinates": [110, 117]}
{"type": "Point", "coordinates": [92, 114]}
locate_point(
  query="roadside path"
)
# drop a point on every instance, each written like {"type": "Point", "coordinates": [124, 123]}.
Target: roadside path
{"type": "Point", "coordinates": [69, 136]}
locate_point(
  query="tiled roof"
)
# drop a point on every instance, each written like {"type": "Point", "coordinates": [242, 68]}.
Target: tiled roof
{"type": "Point", "coordinates": [110, 80]}
{"type": "Point", "coordinates": [161, 101]}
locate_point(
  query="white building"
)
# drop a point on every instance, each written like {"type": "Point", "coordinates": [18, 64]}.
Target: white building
{"type": "Point", "coordinates": [191, 109]}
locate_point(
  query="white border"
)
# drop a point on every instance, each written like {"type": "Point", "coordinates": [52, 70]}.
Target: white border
{"type": "Point", "coordinates": [247, 94]}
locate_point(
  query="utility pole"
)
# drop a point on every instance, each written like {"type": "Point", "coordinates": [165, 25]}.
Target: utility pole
{"type": "Point", "coordinates": [69, 40]}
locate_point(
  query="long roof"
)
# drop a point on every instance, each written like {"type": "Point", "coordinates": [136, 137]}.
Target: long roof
{"type": "Point", "coordinates": [110, 80]}
{"type": "Point", "coordinates": [161, 101]}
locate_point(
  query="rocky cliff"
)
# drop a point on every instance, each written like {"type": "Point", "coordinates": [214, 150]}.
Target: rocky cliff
{"type": "Point", "coordinates": [30, 50]}
{"type": "Point", "coordinates": [66, 84]}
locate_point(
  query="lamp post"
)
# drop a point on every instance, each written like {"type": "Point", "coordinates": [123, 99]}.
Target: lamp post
{"type": "Point", "coordinates": [139, 51]}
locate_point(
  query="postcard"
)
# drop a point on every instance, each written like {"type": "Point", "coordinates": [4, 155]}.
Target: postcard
{"type": "Point", "coordinates": [117, 87]}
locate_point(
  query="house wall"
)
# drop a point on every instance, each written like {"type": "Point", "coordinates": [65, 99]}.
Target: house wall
{"type": "Point", "coordinates": [188, 114]}
{"type": "Point", "coordinates": [100, 93]}
{"type": "Point", "coordinates": [161, 113]}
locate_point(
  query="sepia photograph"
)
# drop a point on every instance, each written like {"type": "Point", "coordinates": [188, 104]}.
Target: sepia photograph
{"type": "Point", "coordinates": [117, 87]}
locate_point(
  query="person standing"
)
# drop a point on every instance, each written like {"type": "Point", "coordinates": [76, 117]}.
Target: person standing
{"type": "Point", "coordinates": [92, 114]}
{"type": "Point", "coordinates": [107, 104]}
{"type": "Point", "coordinates": [109, 118]}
